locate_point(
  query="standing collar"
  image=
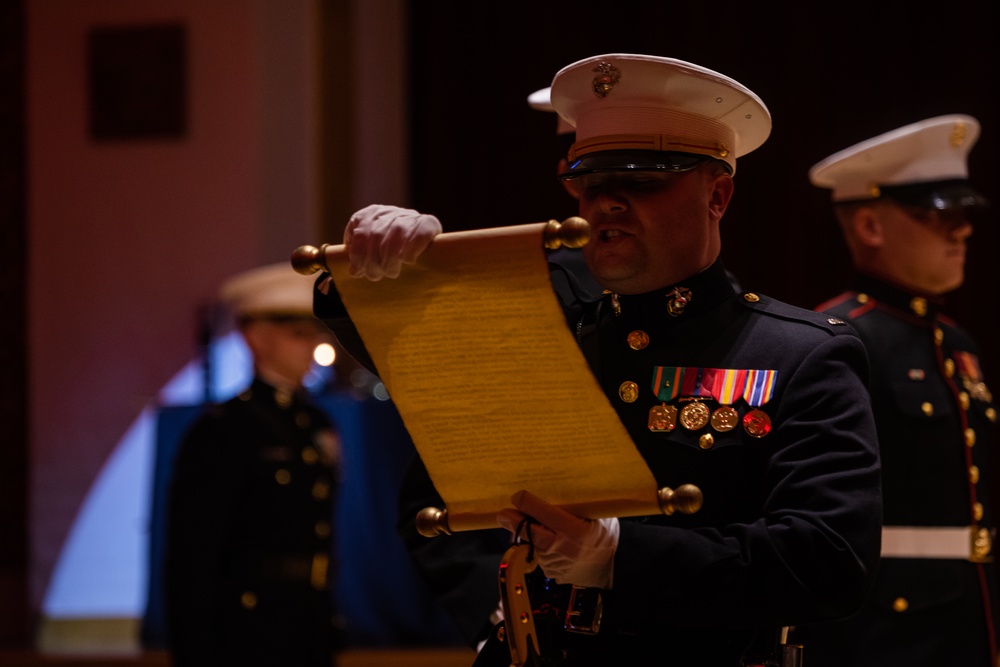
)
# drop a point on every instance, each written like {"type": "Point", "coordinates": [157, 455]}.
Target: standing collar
{"type": "Point", "coordinates": [911, 302]}
{"type": "Point", "coordinates": [284, 397]}
{"type": "Point", "coordinates": [678, 302]}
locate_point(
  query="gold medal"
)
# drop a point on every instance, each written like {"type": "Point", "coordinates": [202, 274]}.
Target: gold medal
{"type": "Point", "coordinates": [725, 418]}
{"type": "Point", "coordinates": [662, 418]}
{"type": "Point", "coordinates": [756, 423]}
{"type": "Point", "coordinates": [628, 391]}
{"type": "Point", "coordinates": [694, 416]}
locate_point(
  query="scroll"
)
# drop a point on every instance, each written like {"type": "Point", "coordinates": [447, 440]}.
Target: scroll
{"type": "Point", "coordinates": [472, 346]}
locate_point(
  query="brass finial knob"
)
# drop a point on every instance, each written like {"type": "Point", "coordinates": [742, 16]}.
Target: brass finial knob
{"type": "Point", "coordinates": [687, 499]}
{"type": "Point", "coordinates": [573, 232]}
{"type": "Point", "coordinates": [308, 259]}
{"type": "Point", "coordinates": [432, 522]}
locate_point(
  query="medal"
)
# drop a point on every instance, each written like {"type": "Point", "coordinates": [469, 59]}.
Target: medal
{"type": "Point", "coordinates": [972, 376]}
{"type": "Point", "coordinates": [756, 423]}
{"type": "Point", "coordinates": [666, 382]}
{"type": "Point", "coordinates": [694, 416]}
{"type": "Point", "coordinates": [758, 391]}
{"type": "Point", "coordinates": [725, 418]}
{"type": "Point", "coordinates": [729, 384]}
{"type": "Point", "coordinates": [662, 418]}
{"type": "Point", "coordinates": [696, 383]}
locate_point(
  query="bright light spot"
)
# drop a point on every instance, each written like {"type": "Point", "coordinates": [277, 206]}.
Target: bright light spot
{"type": "Point", "coordinates": [324, 354]}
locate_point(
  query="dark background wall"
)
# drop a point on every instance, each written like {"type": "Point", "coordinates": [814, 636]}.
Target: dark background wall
{"type": "Point", "coordinates": [13, 370]}
{"type": "Point", "coordinates": [831, 73]}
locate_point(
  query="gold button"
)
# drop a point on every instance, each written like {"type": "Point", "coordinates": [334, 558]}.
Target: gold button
{"type": "Point", "coordinates": [977, 511]}
{"type": "Point", "coordinates": [282, 477]}
{"type": "Point", "coordinates": [322, 529]}
{"type": "Point", "coordinates": [970, 437]}
{"type": "Point", "coordinates": [991, 414]}
{"type": "Point", "coordinates": [974, 474]}
{"type": "Point", "coordinates": [938, 336]}
{"type": "Point", "coordinates": [927, 408]}
{"type": "Point", "coordinates": [918, 305]}
{"type": "Point", "coordinates": [320, 569]}
{"type": "Point", "coordinates": [638, 340]}
{"type": "Point", "coordinates": [900, 604]}
{"type": "Point", "coordinates": [309, 455]}
{"type": "Point", "coordinates": [963, 399]}
{"type": "Point", "coordinates": [706, 441]}
{"type": "Point", "coordinates": [321, 491]}
{"type": "Point", "coordinates": [628, 391]}
{"type": "Point", "coordinates": [862, 298]}
{"type": "Point", "coordinates": [949, 367]}
{"type": "Point", "coordinates": [248, 600]}
{"type": "Point", "coordinates": [283, 397]}
{"type": "Point", "coordinates": [751, 297]}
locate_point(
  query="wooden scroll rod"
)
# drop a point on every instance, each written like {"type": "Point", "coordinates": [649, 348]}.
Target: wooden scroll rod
{"type": "Point", "coordinates": [686, 499]}
{"type": "Point", "coordinates": [573, 232]}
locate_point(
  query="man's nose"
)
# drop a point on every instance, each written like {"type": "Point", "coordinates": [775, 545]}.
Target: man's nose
{"type": "Point", "coordinates": [611, 200]}
{"type": "Point", "coordinates": [962, 231]}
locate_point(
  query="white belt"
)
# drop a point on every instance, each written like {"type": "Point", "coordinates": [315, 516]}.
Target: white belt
{"type": "Point", "coordinates": [963, 542]}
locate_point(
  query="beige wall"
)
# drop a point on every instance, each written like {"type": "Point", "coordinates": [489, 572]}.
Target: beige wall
{"type": "Point", "coordinates": [126, 240]}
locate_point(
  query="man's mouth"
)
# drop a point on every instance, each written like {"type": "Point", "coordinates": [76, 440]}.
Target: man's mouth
{"type": "Point", "coordinates": [608, 234]}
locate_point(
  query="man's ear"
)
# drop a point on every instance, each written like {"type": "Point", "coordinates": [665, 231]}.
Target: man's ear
{"type": "Point", "coordinates": [253, 336]}
{"type": "Point", "coordinates": [867, 227]}
{"type": "Point", "coordinates": [722, 192]}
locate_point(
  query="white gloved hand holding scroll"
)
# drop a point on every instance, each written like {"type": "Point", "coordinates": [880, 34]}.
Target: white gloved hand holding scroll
{"type": "Point", "coordinates": [380, 239]}
{"type": "Point", "coordinates": [569, 549]}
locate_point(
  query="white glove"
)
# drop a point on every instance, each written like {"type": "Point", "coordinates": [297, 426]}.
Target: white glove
{"type": "Point", "coordinates": [569, 549]}
{"type": "Point", "coordinates": [380, 239]}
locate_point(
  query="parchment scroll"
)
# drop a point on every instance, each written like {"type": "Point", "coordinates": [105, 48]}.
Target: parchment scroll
{"type": "Point", "coordinates": [474, 350]}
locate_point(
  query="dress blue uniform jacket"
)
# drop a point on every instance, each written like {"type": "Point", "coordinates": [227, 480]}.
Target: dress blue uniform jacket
{"type": "Point", "coordinates": [789, 529]}
{"type": "Point", "coordinates": [249, 535]}
{"type": "Point", "coordinates": [935, 418]}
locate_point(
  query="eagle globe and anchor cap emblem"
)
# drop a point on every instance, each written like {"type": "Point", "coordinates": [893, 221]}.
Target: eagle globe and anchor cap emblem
{"type": "Point", "coordinates": [607, 78]}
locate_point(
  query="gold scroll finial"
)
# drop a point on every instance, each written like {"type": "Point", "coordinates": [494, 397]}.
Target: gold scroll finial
{"type": "Point", "coordinates": [686, 499]}
{"type": "Point", "coordinates": [573, 232]}
{"type": "Point", "coordinates": [432, 522]}
{"type": "Point", "coordinates": [308, 259]}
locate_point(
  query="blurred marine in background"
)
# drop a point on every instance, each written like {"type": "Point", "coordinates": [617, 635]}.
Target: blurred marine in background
{"type": "Point", "coordinates": [248, 548]}
{"type": "Point", "coordinates": [903, 201]}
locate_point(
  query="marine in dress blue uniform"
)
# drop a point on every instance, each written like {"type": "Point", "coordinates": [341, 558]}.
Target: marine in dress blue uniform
{"type": "Point", "coordinates": [247, 564]}
{"type": "Point", "coordinates": [934, 600]}
{"type": "Point", "coordinates": [761, 405]}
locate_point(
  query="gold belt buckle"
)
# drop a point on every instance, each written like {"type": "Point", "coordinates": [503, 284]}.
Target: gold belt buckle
{"type": "Point", "coordinates": [981, 545]}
